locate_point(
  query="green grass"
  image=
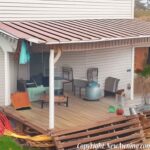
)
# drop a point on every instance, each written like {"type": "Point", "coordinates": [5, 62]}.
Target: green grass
{"type": "Point", "coordinates": [7, 143]}
{"type": "Point", "coordinates": [146, 72]}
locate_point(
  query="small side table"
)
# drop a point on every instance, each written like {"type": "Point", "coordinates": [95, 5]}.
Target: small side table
{"type": "Point", "coordinates": [80, 84]}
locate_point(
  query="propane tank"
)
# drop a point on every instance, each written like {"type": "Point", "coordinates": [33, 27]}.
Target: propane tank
{"type": "Point", "coordinates": [92, 91]}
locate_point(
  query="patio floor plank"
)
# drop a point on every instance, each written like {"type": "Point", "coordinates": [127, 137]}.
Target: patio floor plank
{"type": "Point", "coordinates": [79, 112]}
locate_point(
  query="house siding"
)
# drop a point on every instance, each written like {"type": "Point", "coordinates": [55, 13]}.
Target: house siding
{"type": "Point", "coordinates": [65, 9]}
{"type": "Point", "coordinates": [2, 78]}
{"type": "Point", "coordinates": [110, 62]}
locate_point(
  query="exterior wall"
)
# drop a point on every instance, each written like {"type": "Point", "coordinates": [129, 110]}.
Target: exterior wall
{"type": "Point", "coordinates": [110, 62]}
{"type": "Point", "coordinates": [65, 9]}
{"type": "Point", "coordinates": [2, 79]}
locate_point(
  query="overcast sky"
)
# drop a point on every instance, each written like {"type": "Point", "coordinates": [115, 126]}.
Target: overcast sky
{"type": "Point", "coordinates": [144, 1]}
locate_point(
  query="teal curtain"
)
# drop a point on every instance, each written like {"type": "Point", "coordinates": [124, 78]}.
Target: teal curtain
{"type": "Point", "coordinates": [24, 53]}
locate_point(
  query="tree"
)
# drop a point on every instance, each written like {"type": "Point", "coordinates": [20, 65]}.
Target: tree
{"type": "Point", "coordinates": [139, 5]}
{"type": "Point", "coordinates": [148, 4]}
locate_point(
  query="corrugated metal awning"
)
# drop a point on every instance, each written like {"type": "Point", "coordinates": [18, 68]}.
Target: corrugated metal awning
{"type": "Point", "coordinates": [77, 31]}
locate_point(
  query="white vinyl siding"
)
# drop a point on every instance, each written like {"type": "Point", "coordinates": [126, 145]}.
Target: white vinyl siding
{"type": "Point", "coordinates": [65, 9]}
{"type": "Point", "coordinates": [110, 62]}
{"type": "Point", "coordinates": [2, 79]}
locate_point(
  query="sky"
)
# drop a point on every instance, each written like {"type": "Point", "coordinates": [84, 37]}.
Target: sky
{"type": "Point", "coordinates": [144, 1]}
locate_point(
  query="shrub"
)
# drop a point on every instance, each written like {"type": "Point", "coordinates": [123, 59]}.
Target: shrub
{"type": "Point", "coordinates": [146, 72]}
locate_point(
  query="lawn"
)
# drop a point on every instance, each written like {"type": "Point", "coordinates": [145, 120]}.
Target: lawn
{"type": "Point", "coordinates": [7, 143]}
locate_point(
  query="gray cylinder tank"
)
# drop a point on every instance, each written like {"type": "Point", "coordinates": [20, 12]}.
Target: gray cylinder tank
{"type": "Point", "coordinates": [58, 83]}
{"type": "Point", "coordinates": [92, 91]}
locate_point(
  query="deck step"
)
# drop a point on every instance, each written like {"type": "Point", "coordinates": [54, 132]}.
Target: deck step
{"type": "Point", "coordinates": [123, 130]}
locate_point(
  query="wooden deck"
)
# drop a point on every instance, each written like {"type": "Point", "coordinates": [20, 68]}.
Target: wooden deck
{"type": "Point", "coordinates": [79, 112]}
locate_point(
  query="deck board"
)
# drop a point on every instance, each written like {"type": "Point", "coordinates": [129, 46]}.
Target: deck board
{"type": "Point", "coordinates": [79, 112]}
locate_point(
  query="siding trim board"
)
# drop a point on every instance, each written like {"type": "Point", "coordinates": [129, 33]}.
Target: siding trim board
{"type": "Point", "coordinates": [133, 6]}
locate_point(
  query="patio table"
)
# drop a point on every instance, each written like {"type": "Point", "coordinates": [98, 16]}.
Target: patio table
{"type": "Point", "coordinates": [80, 84]}
{"type": "Point", "coordinates": [63, 99]}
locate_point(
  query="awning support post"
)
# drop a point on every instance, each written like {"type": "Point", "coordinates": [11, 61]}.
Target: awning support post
{"type": "Point", "coordinates": [132, 73]}
{"type": "Point", "coordinates": [51, 90]}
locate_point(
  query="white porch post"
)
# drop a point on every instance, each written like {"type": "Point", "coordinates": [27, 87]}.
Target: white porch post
{"type": "Point", "coordinates": [7, 79]}
{"type": "Point", "coordinates": [132, 73]}
{"type": "Point", "coordinates": [51, 90]}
